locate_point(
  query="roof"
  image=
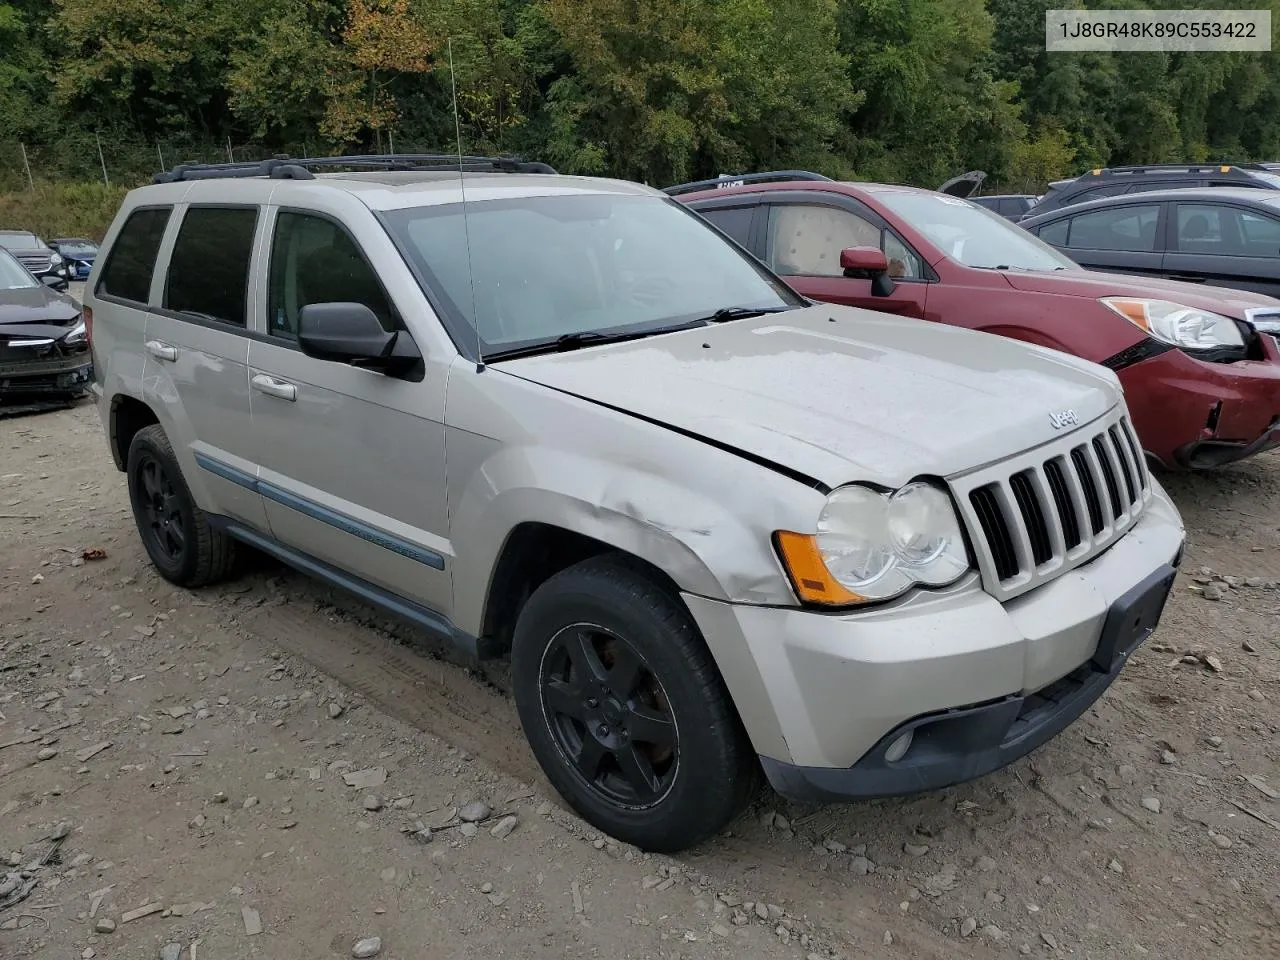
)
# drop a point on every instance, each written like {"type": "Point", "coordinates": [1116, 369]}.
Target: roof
{"type": "Point", "coordinates": [1251, 196]}
{"type": "Point", "coordinates": [818, 186]}
{"type": "Point", "coordinates": [390, 190]}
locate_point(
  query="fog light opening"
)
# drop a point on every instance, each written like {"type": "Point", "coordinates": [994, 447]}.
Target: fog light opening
{"type": "Point", "coordinates": [898, 749]}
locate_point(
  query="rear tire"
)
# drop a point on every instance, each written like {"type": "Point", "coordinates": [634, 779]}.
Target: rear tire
{"type": "Point", "coordinates": [182, 544]}
{"type": "Point", "coordinates": [624, 707]}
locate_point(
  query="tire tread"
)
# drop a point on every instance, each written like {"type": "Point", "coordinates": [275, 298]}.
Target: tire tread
{"type": "Point", "coordinates": [728, 777]}
{"type": "Point", "coordinates": [216, 554]}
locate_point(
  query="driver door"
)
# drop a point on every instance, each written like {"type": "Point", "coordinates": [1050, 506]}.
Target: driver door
{"type": "Point", "coordinates": [803, 243]}
{"type": "Point", "coordinates": [352, 460]}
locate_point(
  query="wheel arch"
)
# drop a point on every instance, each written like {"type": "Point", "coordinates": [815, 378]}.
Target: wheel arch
{"type": "Point", "coordinates": [127, 416]}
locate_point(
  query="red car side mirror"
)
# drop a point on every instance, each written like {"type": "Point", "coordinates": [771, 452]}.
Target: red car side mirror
{"type": "Point", "coordinates": [864, 260]}
{"type": "Point", "coordinates": [869, 263]}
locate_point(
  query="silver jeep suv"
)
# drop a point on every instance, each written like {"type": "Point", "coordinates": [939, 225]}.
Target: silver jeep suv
{"type": "Point", "coordinates": [718, 529]}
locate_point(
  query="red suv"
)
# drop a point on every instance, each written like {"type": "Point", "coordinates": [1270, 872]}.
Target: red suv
{"type": "Point", "coordinates": [1201, 380]}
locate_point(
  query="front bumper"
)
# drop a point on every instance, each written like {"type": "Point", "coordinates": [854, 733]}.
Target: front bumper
{"type": "Point", "coordinates": [1192, 415]}
{"type": "Point", "coordinates": [978, 682]}
{"type": "Point", "coordinates": [61, 375]}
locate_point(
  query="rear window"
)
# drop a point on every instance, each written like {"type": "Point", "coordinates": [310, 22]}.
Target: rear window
{"type": "Point", "coordinates": [20, 241]}
{"type": "Point", "coordinates": [209, 269]}
{"type": "Point", "coordinates": [132, 258]}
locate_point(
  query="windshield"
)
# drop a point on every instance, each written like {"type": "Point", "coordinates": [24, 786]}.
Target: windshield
{"type": "Point", "coordinates": [1270, 178]}
{"type": "Point", "coordinates": [74, 248]}
{"type": "Point", "coordinates": [21, 241]}
{"type": "Point", "coordinates": [13, 275]}
{"type": "Point", "coordinates": [972, 235]}
{"type": "Point", "coordinates": [548, 267]}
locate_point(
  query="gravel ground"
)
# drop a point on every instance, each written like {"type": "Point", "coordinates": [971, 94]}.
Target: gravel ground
{"type": "Point", "coordinates": [176, 775]}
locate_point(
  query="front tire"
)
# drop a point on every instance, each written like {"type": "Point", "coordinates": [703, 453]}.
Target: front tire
{"type": "Point", "coordinates": [624, 708]}
{"type": "Point", "coordinates": [182, 544]}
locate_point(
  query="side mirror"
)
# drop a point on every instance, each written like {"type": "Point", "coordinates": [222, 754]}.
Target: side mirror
{"type": "Point", "coordinates": [350, 333]}
{"type": "Point", "coordinates": [869, 263]}
{"type": "Point", "coordinates": [53, 281]}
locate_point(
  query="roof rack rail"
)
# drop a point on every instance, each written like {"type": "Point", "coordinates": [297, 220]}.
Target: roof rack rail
{"type": "Point", "coordinates": [730, 180]}
{"type": "Point", "coordinates": [1156, 167]}
{"type": "Point", "coordinates": [284, 167]}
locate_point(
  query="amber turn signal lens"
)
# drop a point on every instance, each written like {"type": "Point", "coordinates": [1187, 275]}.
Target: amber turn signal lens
{"type": "Point", "coordinates": [810, 577]}
{"type": "Point", "coordinates": [1135, 311]}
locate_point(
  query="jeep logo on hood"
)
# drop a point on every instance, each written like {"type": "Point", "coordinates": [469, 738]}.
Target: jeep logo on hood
{"type": "Point", "coordinates": [1063, 418]}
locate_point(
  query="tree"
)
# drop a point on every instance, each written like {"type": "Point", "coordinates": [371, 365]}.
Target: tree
{"type": "Point", "coordinates": [281, 81]}
{"type": "Point", "coordinates": [383, 39]}
{"type": "Point", "coordinates": [933, 105]}
{"type": "Point", "coordinates": [665, 89]}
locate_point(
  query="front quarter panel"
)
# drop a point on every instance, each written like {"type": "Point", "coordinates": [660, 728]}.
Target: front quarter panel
{"type": "Point", "coordinates": [1075, 325]}
{"type": "Point", "coordinates": [520, 452]}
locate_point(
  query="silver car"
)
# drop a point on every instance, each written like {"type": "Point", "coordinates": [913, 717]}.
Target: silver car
{"type": "Point", "coordinates": [718, 529]}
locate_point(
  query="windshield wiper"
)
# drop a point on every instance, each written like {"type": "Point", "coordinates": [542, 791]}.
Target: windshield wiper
{"type": "Point", "coordinates": [566, 342]}
{"type": "Point", "coordinates": [725, 314]}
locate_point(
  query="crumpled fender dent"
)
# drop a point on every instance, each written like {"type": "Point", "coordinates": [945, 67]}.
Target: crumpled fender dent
{"type": "Point", "coordinates": [694, 539]}
{"type": "Point", "coordinates": [703, 515]}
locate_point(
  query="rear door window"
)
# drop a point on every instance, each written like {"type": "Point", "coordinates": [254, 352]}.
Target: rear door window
{"type": "Point", "coordinates": [132, 258]}
{"type": "Point", "coordinates": [209, 269]}
{"type": "Point", "coordinates": [1207, 228]}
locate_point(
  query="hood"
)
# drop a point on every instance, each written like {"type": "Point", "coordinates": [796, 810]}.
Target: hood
{"type": "Point", "coordinates": [840, 394]}
{"type": "Point", "coordinates": [963, 185]}
{"type": "Point", "coordinates": [37, 304]}
{"type": "Point", "coordinates": [1095, 283]}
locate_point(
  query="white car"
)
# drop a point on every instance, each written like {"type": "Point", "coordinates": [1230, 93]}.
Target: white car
{"type": "Point", "coordinates": [718, 529]}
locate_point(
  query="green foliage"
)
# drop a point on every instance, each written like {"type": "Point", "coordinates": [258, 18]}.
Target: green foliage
{"type": "Point", "coordinates": [653, 90]}
{"type": "Point", "coordinates": [57, 209]}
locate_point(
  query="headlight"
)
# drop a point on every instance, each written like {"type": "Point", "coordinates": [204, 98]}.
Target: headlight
{"type": "Point", "coordinates": [874, 546]}
{"type": "Point", "coordinates": [76, 335]}
{"type": "Point", "coordinates": [55, 259]}
{"type": "Point", "coordinates": [1182, 326]}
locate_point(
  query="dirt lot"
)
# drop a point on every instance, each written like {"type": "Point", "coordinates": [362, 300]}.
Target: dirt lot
{"type": "Point", "coordinates": [186, 752]}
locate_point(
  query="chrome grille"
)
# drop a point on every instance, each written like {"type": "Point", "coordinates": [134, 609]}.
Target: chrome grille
{"type": "Point", "coordinates": [35, 263]}
{"type": "Point", "coordinates": [1037, 515]}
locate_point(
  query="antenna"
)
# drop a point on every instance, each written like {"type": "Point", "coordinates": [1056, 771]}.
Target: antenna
{"type": "Point", "coordinates": [466, 228]}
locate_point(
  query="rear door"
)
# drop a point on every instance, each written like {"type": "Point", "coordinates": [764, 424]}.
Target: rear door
{"type": "Point", "coordinates": [1225, 245]}
{"type": "Point", "coordinates": [117, 304]}
{"type": "Point", "coordinates": [1126, 238]}
{"type": "Point", "coordinates": [803, 238]}
{"type": "Point", "coordinates": [196, 346]}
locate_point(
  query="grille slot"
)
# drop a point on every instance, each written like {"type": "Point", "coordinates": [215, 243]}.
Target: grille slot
{"type": "Point", "coordinates": [1093, 502]}
{"type": "Point", "coordinates": [998, 536]}
{"type": "Point", "coordinates": [1123, 456]}
{"type": "Point", "coordinates": [1108, 475]}
{"type": "Point", "coordinates": [1056, 478]}
{"type": "Point", "coordinates": [1032, 517]}
{"type": "Point", "coordinates": [1055, 509]}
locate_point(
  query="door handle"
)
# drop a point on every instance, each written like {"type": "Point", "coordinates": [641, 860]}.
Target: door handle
{"type": "Point", "coordinates": [162, 351]}
{"type": "Point", "coordinates": [275, 388]}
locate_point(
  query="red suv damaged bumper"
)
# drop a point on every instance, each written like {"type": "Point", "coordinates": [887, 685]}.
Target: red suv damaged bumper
{"type": "Point", "coordinates": [1195, 415]}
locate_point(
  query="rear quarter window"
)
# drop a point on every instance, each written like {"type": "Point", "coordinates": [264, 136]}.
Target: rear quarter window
{"type": "Point", "coordinates": [1055, 233]}
{"type": "Point", "coordinates": [132, 258]}
{"type": "Point", "coordinates": [734, 221]}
